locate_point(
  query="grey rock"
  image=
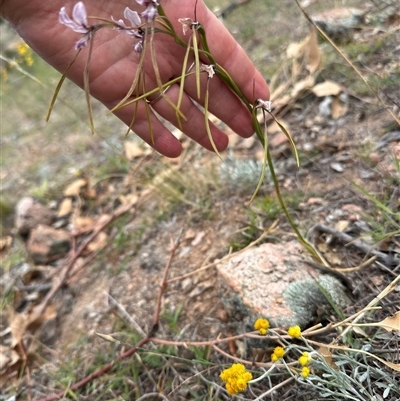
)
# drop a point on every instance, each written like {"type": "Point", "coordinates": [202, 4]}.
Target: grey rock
{"type": "Point", "coordinates": [29, 214]}
{"type": "Point", "coordinates": [47, 242]}
{"type": "Point", "coordinates": [339, 22]}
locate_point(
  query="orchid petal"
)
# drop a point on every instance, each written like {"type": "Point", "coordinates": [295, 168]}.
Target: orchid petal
{"type": "Point", "coordinates": [120, 23]}
{"type": "Point", "coordinates": [79, 14]}
{"type": "Point", "coordinates": [138, 47]}
{"type": "Point", "coordinates": [132, 17]}
{"type": "Point", "coordinates": [64, 19]}
{"type": "Point", "coordinates": [143, 2]}
{"type": "Point", "coordinates": [82, 42]}
{"type": "Point", "coordinates": [150, 13]}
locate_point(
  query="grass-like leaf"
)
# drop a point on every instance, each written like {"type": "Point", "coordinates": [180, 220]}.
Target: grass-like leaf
{"type": "Point", "coordinates": [158, 76]}
{"type": "Point", "coordinates": [182, 83]}
{"type": "Point", "coordinates": [266, 150]}
{"type": "Point", "coordinates": [197, 63]}
{"type": "Point", "coordinates": [288, 136]}
{"type": "Point", "coordinates": [207, 122]}
{"type": "Point", "coordinates": [59, 85]}
{"type": "Point", "coordinates": [135, 82]}
{"type": "Point", "coordinates": [86, 84]}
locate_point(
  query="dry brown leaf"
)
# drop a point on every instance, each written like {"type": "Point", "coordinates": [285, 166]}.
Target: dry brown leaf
{"type": "Point", "coordinates": [190, 234]}
{"type": "Point", "coordinates": [278, 92]}
{"type": "Point", "coordinates": [198, 238]}
{"type": "Point", "coordinates": [390, 323]}
{"type": "Point", "coordinates": [312, 51]}
{"type": "Point", "coordinates": [324, 351]}
{"type": "Point", "coordinates": [65, 207]}
{"type": "Point", "coordinates": [8, 357]}
{"type": "Point", "coordinates": [103, 218]}
{"type": "Point", "coordinates": [323, 247]}
{"type": "Point", "coordinates": [360, 331]}
{"type": "Point", "coordinates": [5, 242]}
{"type": "Point", "coordinates": [283, 101]}
{"type": "Point", "coordinates": [133, 150]}
{"type": "Point", "coordinates": [89, 193]}
{"type": "Point", "coordinates": [75, 188]}
{"type": "Point", "coordinates": [338, 109]}
{"type": "Point", "coordinates": [130, 199]}
{"type": "Point", "coordinates": [302, 85]}
{"type": "Point", "coordinates": [98, 242]}
{"type": "Point", "coordinates": [20, 323]}
{"type": "Point", "coordinates": [394, 366]}
{"type": "Point", "coordinates": [327, 88]}
{"type": "Point", "coordinates": [333, 258]}
{"type": "Point", "coordinates": [83, 223]}
{"type": "Point", "coordinates": [295, 50]}
{"type": "Point", "coordinates": [36, 321]}
{"type": "Point", "coordinates": [341, 225]}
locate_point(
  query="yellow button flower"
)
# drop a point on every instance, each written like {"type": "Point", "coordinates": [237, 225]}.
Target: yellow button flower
{"type": "Point", "coordinates": [278, 353]}
{"type": "Point", "coordinates": [294, 331]}
{"type": "Point", "coordinates": [262, 325]}
{"type": "Point", "coordinates": [235, 378]}
{"type": "Point", "coordinates": [304, 359]}
{"type": "Point", "coordinates": [22, 48]}
{"type": "Point", "coordinates": [305, 371]}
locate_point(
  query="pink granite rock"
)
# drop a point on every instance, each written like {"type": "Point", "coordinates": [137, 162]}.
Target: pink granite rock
{"type": "Point", "coordinates": [274, 281]}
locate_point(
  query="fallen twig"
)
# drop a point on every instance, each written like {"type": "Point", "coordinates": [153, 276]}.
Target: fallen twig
{"type": "Point", "coordinates": [163, 285]}
{"type": "Point", "coordinates": [125, 315]}
{"type": "Point", "coordinates": [348, 240]}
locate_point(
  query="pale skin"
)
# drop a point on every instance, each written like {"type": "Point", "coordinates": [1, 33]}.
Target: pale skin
{"type": "Point", "coordinates": [114, 62]}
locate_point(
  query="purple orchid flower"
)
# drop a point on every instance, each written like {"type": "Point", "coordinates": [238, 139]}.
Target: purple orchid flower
{"type": "Point", "coordinates": [151, 9]}
{"type": "Point", "coordinates": [134, 30]}
{"type": "Point", "coordinates": [78, 23]}
{"type": "Point", "coordinates": [133, 17]}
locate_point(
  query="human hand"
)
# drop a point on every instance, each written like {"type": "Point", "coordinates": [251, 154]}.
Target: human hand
{"type": "Point", "coordinates": [114, 63]}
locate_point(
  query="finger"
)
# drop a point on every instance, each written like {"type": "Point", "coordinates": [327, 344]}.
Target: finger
{"type": "Point", "coordinates": [158, 137]}
{"type": "Point", "coordinates": [226, 51]}
{"type": "Point", "coordinates": [194, 126]}
{"type": "Point", "coordinates": [223, 103]}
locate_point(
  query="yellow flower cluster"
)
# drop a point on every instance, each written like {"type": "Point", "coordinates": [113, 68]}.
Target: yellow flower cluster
{"type": "Point", "coordinates": [4, 74]}
{"type": "Point", "coordinates": [22, 54]}
{"type": "Point", "coordinates": [304, 360]}
{"type": "Point", "coordinates": [26, 54]}
{"type": "Point", "coordinates": [22, 48]}
{"type": "Point", "coordinates": [262, 325]}
{"type": "Point", "coordinates": [294, 331]}
{"type": "Point", "coordinates": [235, 378]}
{"type": "Point", "coordinates": [278, 353]}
